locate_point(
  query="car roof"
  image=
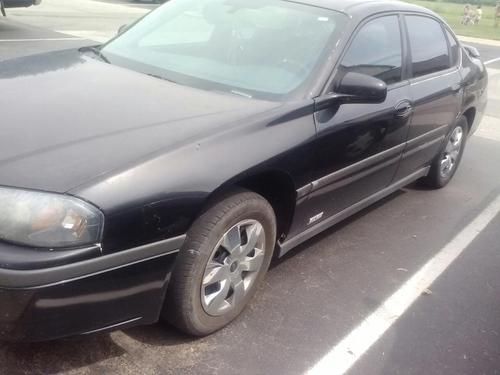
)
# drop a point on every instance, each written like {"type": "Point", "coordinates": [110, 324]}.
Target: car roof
{"type": "Point", "coordinates": [363, 8]}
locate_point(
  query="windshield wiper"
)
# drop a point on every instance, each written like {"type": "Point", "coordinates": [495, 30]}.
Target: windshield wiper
{"type": "Point", "coordinates": [241, 93]}
{"type": "Point", "coordinates": [96, 51]}
{"type": "Point", "coordinates": [233, 92]}
{"type": "Point", "coordinates": [160, 77]}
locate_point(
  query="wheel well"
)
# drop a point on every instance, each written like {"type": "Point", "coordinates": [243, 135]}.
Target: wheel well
{"type": "Point", "coordinates": [279, 190]}
{"type": "Point", "coordinates": [470, 114]}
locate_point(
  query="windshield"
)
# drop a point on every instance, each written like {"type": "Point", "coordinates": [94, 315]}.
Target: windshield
{"type": "Point", "coordinates": [257, 48]}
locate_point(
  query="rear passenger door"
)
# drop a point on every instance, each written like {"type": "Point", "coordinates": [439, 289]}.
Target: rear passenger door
{"type": "Point", "coordinates": [435, 87]}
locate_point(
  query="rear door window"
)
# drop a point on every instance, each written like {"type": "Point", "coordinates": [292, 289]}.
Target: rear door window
{"type": "Point", "coordinates": [428, 46]}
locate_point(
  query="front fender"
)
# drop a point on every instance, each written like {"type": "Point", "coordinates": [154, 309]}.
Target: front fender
{"type": "Point", "coordinates": [159, 198]}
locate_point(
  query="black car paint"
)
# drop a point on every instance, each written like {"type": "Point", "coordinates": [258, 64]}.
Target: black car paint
{"type": "Point", "coordinates": [20, 3]}
{"type": "Point", "coordinates": [151, 154]}
{"type": "Point", "coordinates": [84, 305]}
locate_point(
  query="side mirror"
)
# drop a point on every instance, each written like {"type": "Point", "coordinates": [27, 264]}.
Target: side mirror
{"type": "Point", "coordinates": [472, 51]}
{"type": "Point", "coordinates": [355, 88]}
{"type": "Point", "coordinates": [122, 29]}
{"type": "Point", "coordinates": [362, 88]}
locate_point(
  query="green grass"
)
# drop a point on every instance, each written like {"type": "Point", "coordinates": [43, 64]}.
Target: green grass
{"type": "Point", "coordinates": [452, 13]}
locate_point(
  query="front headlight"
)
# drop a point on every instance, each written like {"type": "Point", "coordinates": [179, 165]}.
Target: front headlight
{"type": "Point", "coordinates": [48, 220]}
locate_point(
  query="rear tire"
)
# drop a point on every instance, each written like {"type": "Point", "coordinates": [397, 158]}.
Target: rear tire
{"type": "Point", "coordinates": [219, 268]}
{"type": "Point", "coordinates": [445, 165]}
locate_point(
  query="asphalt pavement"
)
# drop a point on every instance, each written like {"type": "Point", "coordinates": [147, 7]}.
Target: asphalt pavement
{"type": "Point", "coordinates": [320, 292]}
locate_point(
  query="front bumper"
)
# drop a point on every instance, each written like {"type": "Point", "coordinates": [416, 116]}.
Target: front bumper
{"type": "Point", "coordinates": [103, 293]}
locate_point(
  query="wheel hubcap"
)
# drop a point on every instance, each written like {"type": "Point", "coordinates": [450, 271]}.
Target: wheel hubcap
{"type": "Point", "coordinates": [233, 267]}
{"type": "Point", "coordinates": [452, 152]}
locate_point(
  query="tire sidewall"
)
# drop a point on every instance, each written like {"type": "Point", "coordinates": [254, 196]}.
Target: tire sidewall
{"type": "Point", "coordinates": [201, 251]}
{"type": "Point", "coordinates": [462, 122]}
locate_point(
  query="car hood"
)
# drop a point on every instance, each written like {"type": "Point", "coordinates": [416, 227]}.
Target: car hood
{"type": "Point", "coordinates": [67, 118]}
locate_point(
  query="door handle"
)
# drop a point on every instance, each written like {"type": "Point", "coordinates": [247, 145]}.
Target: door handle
{"type": "Point", "coordinates": [403, 110]}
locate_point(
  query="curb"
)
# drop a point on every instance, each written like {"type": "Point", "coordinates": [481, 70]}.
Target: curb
{"type": "Point", "coordinates": [489, 42]}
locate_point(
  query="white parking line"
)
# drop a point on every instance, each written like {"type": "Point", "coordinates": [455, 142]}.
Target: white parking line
{"type": "Point", "coordinates": [348, 351]}
{"type": "Point", "coordinates": [492, 61]}
{"type": "Point", "coordinates": [39, 40]}
{"type": "Point", "coordinates": [100, 36]}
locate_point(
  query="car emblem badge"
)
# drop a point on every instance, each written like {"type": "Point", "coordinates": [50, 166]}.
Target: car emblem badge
{"type": "Point", "coordinates": [315, 218]}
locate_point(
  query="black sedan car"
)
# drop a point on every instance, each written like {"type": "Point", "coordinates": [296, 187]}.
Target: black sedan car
{"type": "Point", "coordinates": [157, 175]}
{"type": "Point", "coordinates": [19, 3]}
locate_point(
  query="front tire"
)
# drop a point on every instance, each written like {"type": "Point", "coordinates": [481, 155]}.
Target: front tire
{"type": "Point", "coordinates": [445, 165]}
{"type": "Point", "coordinates": [226, 255]}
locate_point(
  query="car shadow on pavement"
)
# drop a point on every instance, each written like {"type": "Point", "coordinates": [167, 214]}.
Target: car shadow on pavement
{"type": "Point", "coordinates": [417, 186]}
{"type": "Point", "coordinates": [92, 351]}
{"type": "Point", "coordinates": [159, 334]}
{"type": "Point", "coordinates": [57, 356]}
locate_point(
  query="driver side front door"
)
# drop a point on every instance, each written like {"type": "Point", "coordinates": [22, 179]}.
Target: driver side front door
{"type": "Point", "coordinates": [358, 146]}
